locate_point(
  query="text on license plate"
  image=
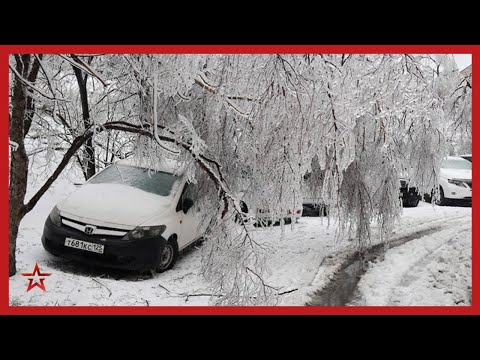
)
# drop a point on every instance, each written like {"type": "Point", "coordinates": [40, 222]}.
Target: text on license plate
{"type": "Point", "coordinates": [84, 245]}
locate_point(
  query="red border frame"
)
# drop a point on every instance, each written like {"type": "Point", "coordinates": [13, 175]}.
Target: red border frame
{"type": "Point", "coordinates": [5, 50]}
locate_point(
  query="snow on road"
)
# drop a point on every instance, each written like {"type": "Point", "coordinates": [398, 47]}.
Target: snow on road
{"type": "Point", "coordinates": [295, 264]}
{"type": "Point", "coordinates": [431, 270]}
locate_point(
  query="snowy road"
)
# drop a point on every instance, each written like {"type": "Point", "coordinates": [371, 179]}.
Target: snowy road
{"type": "Point", "coordinates": [431, 270]}
{"type": "Point", "coordinates": [304, 259]}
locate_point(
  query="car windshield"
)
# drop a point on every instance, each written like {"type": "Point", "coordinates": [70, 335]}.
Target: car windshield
{"type": "Point", "coordinates": [159, 183]}
{"type": "Point", "coordinates": [457, 163]}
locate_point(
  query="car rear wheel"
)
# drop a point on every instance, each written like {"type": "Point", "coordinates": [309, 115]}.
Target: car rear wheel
{"type": "Point", "coordinates": [169, 256]}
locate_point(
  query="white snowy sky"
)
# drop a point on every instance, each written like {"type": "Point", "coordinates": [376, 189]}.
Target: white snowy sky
{"type": "Point", "coordinates": [463, 60]}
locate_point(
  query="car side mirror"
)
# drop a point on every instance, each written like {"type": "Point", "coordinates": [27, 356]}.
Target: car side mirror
{"type": "Point", "coordinates": [187, 204]}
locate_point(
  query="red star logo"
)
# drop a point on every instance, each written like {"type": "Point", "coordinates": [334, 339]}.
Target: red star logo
{"type": "Point", "coordinates": [36, 278]}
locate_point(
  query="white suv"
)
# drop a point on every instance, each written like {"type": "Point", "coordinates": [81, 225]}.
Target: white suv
{"type": "Point", "coordinates": [455, 181]}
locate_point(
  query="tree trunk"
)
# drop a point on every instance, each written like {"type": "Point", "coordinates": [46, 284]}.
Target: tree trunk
{"type": "Point", "coordinates": [89, 150]}
{"type": "Point", "coordinates": [13, 223]}
{"type": "Point", "coordinates": [18, 159]}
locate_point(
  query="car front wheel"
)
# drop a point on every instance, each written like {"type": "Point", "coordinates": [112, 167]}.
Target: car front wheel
{"type": "Point", "coordinates": [169, 256]}
{"type": "Point", "coordinates": [441, 201]}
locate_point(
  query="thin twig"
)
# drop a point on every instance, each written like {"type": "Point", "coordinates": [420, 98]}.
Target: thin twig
{"type": "Point", "coordinates": [33, 87]}
{"type": "Point", "coordinates": [287, 292]}
{"type": "Point", "coordinates": [78, 63]}
{"type": "Point", "coordinates": [98, 282]}
{"type": "Point", "coordinates": [163, 287]}
{"type": "Point", "coordinates": [193, 295]}
{"type": "Point", "coordinates": [49, 83]}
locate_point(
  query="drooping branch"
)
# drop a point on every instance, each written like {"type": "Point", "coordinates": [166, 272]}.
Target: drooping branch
{"type": "Point", "coordinates": [80, 64]}
{"type": "Point", "coordinates": [76, 144]}
{"type": "Point", "coordinates": [216, 176]}
{"type": "Point", "coordinates": [202, 80]}
{"type": "Point", "coordinates": [155, 119]}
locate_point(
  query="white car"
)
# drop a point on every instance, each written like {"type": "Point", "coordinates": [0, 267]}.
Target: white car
{"type": "Point", "coordinates": [126, 216]}
{"type": "Point", "coordinates": [262, 216]}
{"type": "Point", "coordinates": [455, 181]}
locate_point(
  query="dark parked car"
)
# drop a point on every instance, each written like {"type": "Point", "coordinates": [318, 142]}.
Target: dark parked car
{"type": "Point", "coordinates": [312, 203]}
{"type": "Point", "coordinates": [409, 195]}
{"type": "Point", "coordinates": [311, 208]}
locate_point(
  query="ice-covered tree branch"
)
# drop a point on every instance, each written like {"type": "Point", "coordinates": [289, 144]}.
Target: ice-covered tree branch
{"type": "Point", "coordinates": [80, 64]}
{"type": "Point", "coordinates": [33, 87]}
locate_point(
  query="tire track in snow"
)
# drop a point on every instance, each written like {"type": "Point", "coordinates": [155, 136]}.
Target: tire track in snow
{"type": "Point", "coordinates": [388, 282]}
{"type": "Point", "coordinates": [433, 276]}
{"type": "Point", "coordinates": [423, 225]}
{"type": "Point", "coordinates": [338, 274]}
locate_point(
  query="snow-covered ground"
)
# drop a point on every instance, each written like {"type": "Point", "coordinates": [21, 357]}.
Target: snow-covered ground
{"type": "Point", "coordinates": [294, 263]}
{"type": "Point", "coordinates": [431, 270]}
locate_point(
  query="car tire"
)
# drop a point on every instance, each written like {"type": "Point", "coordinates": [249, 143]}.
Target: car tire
{"type": "Point", "coordinates": [169, 255]}
{"type": "Point", "coordinates": [410, 202]}
{"type": "Point", "coordinates": [199, 242]}
{"type": "Point", "coordinates": [428, 197]}
{"type": "Point", "coordinates": [441, 201]}
{"type": "Point", "coordinates": [414, 202]}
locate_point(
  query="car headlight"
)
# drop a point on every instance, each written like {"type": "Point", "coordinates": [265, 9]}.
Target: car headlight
{"type": "Point", "coordinates": [141, 232]}
{"type": "Point", "coordinates": [55, 216]}
{"type": "Point", "coordinates": [457, 182]}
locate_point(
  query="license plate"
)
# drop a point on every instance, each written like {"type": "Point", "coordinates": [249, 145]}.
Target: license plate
{"type": "Point", "coordinates": [84, 245]}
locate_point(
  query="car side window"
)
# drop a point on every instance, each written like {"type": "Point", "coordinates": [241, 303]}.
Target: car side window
{"type": "Point", "coordinates": [189, 191]}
